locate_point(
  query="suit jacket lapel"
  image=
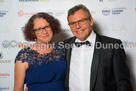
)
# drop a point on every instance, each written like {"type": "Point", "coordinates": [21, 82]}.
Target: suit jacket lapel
{"type": "Point", "coordinates": [95, 62]}
{"type": "Point", "coordinates": [68, 57]}
{"type": "Point", "coordinates": [68, 54]}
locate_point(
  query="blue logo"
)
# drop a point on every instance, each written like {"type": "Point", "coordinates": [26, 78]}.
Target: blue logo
{"type": "Point", "coordinates": [117, 11]}
{"type": "Point", "coordinates": [6, 44]}
{"type": "Point", "coordinates": [22, 28]}
{"type": "Point", "coordinates": [100, 0]}
{"type": "Point", "coordinates": [59, 12]}
{"type": "Point", "coordinates": [113, 11]}
{"type": "Point", "coordinates": [28, 0]}
{"type": "Point", "coordinates": [50, 12]}
{"type": "Point", "coordinates": [1, 55]}
{"type": "Point", "coordinates": [33, 0]}
{"type": "Point", "coordinates": [3, 13]}
{"type": "Point", "coordinates": [106, 11]}
{"type": "Point", "coordinates": [4, 88]}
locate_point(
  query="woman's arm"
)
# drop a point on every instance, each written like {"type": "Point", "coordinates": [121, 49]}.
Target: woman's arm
{"type": "Point", "coordinates": [19, 75]}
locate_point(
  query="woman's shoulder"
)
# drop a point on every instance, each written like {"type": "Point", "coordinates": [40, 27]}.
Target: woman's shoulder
{"type": "Point", "coordinates": [25, 50]}
{"type": "Point", "coordinates": [23, 54]}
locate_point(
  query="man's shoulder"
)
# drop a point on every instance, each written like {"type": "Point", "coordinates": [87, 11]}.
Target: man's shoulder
{"type": "Point", "coordinates": [107, 39]}
{"type": "Point", "coordinates": [69, 39]}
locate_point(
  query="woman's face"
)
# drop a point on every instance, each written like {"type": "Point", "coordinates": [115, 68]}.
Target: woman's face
{"type": "Point", "coordinates": [42, 30]}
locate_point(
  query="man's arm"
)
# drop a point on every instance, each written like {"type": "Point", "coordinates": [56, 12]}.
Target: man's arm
{"type": "Point", "coordinates": [121, 70]}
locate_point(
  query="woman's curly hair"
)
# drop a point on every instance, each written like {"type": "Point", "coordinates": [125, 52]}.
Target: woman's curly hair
{"type": "Point", "coordinates": [29, 33]}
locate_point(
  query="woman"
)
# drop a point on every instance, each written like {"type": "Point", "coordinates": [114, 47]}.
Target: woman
{"type": "Point", "coordinates": [43, 66]}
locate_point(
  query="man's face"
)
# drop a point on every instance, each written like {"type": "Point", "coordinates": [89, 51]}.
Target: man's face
{"type": "Point", "coordinates": [80, 24]}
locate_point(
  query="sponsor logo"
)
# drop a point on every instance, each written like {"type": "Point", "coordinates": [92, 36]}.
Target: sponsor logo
{"type": "Point", "coordinates": [107, 0]}
{"type": "Point", "coordinates": [93, 12]}
{"type": "Point", "coordinates": [13, 44]}
{"type": "Point", "coordinates": [114, 11]}
{"type": "Point", "coordinates": [59, 12]}
{"type": "Point", "coordinates": [135, 9]}
{"type": "Point", "coordinates": [3, 13]}
{"type": "Point", "coordinates": [49, 12]}
{"type": "Point", "coordinates": [111, 0]}
{"type": "Point", "coordinates": [6, 44]}
{"type": "Point", "coordinates": [106, 11]}
{"type": "Point", "coordinates": [117, 11]}
{"type": "Point", "coordinates": [56, 12]}
{"type": "Point", "coordinates": [4, 75]}
{"type": "Point", "coordinates": [22, 28]}
{"type": "Point", "coordinates": [33, 0]}
{"type": "Point", "coordinates": [4, 88]}
{"type": "Point", "coordinates": [1, 55]}
{"type": "Point", "coordinates": [100, 0]}
{"type": "Point", "coordinates": [5, 61]}
{"type": "Point", "coordinates": [22, 13]}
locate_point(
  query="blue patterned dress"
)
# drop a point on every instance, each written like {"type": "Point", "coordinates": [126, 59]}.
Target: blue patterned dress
{"type": "Point", "coordinates": [46, 72]}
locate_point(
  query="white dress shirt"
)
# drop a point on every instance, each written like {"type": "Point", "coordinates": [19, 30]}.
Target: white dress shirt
{"type": "Point", "coordinates": [80, 65]}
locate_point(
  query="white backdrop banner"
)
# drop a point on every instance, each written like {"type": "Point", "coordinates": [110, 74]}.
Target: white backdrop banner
{"type": "Point", "coordinates": [114, 18]}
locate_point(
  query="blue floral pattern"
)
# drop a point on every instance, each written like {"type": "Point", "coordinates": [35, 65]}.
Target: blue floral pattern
{"type": "Point", "coordinates": [34, 58]}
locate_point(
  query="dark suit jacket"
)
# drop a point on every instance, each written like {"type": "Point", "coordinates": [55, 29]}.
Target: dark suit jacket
{"type": "Point", "coordinates": [109, 71]}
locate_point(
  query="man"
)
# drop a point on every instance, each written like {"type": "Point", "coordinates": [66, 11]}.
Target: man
{"type": "Point", "coordinates": [94, 68]}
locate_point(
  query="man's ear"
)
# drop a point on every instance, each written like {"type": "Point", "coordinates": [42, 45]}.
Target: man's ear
{"type": "Point", "coordinates": [91, 21]}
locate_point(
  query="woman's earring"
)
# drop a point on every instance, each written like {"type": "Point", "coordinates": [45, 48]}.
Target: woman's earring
{"type": "Point", "coordinates": [35, 39]}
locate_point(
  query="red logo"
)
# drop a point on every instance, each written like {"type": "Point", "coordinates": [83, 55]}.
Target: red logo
{"type": "Point", "coordinates": [21, 13]}
{"type": "Point", "coordinates": [93, 12]}
{"type": "Point", "coordinates": [4, 75]}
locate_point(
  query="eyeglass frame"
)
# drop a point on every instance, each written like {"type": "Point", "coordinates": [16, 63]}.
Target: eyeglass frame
{"type": "Point", "coordinates": [40, 30]}
{"type": "Point", "coordinates": [79, 21]}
